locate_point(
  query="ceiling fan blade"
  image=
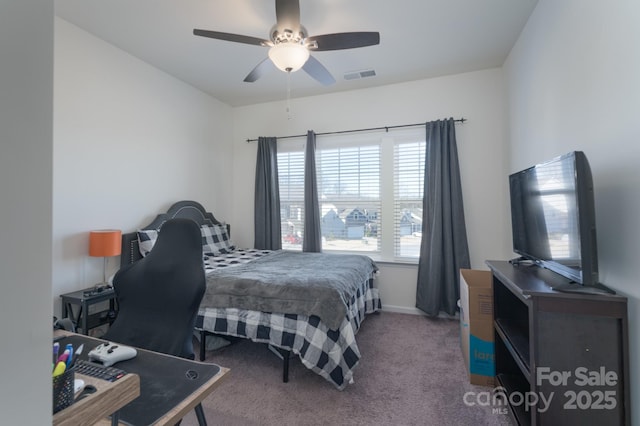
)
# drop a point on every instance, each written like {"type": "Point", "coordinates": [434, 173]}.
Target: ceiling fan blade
{"type": "Point", "coordinates": [288, 15]}
{"type": "Point", "coordinates": [340, 41]}
{"type": "Point", "coordinates": [315, 69]}
{"type": "Point", "coordinates": [232, 37]}
{"type": "Point", "coordinates": [261, 69]}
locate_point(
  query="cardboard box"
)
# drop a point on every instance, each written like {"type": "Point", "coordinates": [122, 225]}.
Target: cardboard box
{"type": "Point", "coordinates": [476, 325]}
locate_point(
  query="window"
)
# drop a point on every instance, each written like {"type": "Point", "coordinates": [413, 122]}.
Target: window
{"type": "Point", "coordinates": [348, 177]}
{"type": "Point", "coordinates": [291, 186]}
{"type": "Point", "coordinates": [408, 191]}
{"type": "Point", "coordinates": [370, 188]}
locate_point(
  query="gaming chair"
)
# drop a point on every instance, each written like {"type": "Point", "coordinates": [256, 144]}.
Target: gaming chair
{"type": "Point", "coordinates": [159, 295]}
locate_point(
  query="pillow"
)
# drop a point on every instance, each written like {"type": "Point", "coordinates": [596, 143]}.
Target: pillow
{"type": "Point", "coordinates": [146, 239]}
{"type": "Point", "coordinates": [215, 240]}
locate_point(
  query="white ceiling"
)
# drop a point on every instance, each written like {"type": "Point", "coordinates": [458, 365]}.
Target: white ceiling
{"type": "Point", "coordinates": [418, 39]}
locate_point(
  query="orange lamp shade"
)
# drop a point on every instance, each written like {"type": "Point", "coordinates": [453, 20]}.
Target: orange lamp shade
{"type": "Point", "coordinates": [105, 243]}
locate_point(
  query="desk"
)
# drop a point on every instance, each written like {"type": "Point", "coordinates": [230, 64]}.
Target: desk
{"type": "Point", "coordinates": [170, 386]}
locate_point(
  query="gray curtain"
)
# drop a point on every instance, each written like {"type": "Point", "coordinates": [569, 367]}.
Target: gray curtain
{"type": "Point", "coordinates": [444, 249]}
{"type": "Point", "coordinates": [312, 235]}
{"type": "Point", "coordinates": [267, 197]}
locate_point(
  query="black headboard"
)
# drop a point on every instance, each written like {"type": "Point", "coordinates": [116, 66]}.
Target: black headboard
{"type": "Point", "coordinates": [182, 209]}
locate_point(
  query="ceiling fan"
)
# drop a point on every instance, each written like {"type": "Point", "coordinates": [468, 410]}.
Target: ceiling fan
{"type": "Point", "coordinates": [290, 45]}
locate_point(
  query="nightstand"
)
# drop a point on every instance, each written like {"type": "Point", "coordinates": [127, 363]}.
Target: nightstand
{"type": "Point", "coordinates": [83, 319]}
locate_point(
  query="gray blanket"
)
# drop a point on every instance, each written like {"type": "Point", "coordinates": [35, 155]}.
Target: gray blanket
{"type": "Point", "coordinates": [292, 283]}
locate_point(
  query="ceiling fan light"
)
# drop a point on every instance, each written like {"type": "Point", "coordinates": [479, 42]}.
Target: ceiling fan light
{"type": "Point", "coordinates": [289, 57]}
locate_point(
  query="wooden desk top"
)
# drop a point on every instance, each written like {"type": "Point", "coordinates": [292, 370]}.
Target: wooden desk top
{"type": "Point", "coordinates": [108, 398]}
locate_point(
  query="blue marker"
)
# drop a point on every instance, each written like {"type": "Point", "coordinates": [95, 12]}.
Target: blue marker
{"type": "Point", "coordinates": [69, 348]}
{"type": "Point", "coordinates": [56, 349]}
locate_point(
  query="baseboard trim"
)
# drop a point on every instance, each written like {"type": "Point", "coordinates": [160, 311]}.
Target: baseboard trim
{"type": "Point", "coordinates": [415, 311]}
{"type": "Point", "coordinates": [402, 310]}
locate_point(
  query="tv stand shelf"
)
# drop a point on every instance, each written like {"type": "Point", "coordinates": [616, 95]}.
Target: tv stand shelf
{"type": "Point", "coordinates": [515, 383]}
{"type": "Point", "coordinates": [569, 348]}
{"type": "Point", "coordinates": [515, 338]}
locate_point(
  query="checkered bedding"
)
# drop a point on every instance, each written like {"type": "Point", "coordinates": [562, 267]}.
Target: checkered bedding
{"type": "Point", "coordinates": [236, 257]}
{"type": "Point", "coordinates": [333, 354]}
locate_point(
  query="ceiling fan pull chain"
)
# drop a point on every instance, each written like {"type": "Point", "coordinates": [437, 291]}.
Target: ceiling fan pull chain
{"type": "Point", "coordinates": [288, 95]}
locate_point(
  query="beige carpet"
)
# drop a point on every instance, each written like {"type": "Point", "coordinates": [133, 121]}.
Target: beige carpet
{"type": "Point", "coordinates": [411, 373]}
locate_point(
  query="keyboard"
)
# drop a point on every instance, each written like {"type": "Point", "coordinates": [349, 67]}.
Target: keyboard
{"type": "Point", "coordinates": [110, 374]}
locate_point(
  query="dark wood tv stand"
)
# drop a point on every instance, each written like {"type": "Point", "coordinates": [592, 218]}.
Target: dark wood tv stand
{"type": "Point", "coordinates": [569, 348]}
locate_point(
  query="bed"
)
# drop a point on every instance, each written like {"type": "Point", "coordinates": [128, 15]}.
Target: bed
{"type": "Point", "coordinates": [309, 305]}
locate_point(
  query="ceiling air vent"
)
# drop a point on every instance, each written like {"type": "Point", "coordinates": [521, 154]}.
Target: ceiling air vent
{"type": "Point", "coordinates": [354, 75]}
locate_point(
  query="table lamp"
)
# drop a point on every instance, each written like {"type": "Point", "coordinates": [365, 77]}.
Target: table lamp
{"type": "Point", "coordinates": [105, 243]}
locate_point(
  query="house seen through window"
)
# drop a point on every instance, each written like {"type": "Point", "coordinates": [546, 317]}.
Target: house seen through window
{"type": "Point", "coordinates": [370, 188]}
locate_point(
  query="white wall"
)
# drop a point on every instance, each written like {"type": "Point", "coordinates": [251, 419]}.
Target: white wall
{"type": "Point", "coordinates": [26, 99]}
{"type": "Point", "coordinates": [573, 82]}
{"type": "Point", "coordinates": [477, 96]}
{"type": "Point", "coordinates": [129, 140]}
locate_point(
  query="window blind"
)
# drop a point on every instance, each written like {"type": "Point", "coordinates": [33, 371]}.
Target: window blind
{"type": "Point", "coordinates": [409, 158]}
{"type": "Point", "coordinates": [291, 182]}
{"type": "Point", "coordinates": [349, 195]}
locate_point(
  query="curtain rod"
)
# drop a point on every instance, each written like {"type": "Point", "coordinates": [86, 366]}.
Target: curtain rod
{"type": "Point", "coordinates": [385, 128]}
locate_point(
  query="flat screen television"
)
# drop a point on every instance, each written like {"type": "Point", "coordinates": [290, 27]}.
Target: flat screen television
{"type": "Point", "coordinates": [553, 220]}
